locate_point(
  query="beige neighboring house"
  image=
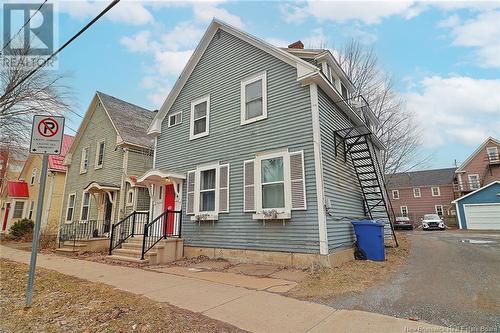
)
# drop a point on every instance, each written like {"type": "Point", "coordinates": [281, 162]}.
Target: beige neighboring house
{"type": "Point", "coordinates": [110, 150]}
{"type": "Point", "coordinates": [54, 188]}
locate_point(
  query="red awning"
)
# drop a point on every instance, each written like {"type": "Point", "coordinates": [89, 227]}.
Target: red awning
{"type": "Point", "coordinates": [17, 189]}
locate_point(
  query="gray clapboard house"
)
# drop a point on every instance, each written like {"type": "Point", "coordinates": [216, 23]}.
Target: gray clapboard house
{"type": "Point", "coordinates": [265, 153]}
{"type": "Point", "coordinates": [110, 150]}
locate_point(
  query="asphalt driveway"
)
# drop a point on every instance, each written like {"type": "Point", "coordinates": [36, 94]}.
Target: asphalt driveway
{"type": "Point", "coordinates": [452, 278]}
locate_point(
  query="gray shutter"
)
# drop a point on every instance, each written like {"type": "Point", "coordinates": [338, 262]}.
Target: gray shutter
{"type": "Point", "coordinates": [297, 181]}
{"type": "Point", "coordinates": [224, 188]}
{"type": "Point", "coordinates": [249, 187]}
{"type": "Point", "coordinates": [190, 192]}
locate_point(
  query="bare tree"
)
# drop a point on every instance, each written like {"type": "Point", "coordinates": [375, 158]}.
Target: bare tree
{"type": "Point", "coordinates": [42, 93]}
{"type": "Point", "coordinates": [398, 129]}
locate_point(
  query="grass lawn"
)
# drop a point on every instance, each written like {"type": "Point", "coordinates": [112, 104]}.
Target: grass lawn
{"type": "Point", "coordinates": [66, 304]}
{"type": "Point", "coordinates": [353, 276]}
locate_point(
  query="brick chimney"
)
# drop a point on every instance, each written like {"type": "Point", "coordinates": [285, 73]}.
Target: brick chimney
{"type": "Point", "coordinates": [296, 45]}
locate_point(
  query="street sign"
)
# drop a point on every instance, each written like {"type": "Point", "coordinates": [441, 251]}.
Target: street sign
{"type": "Point", "coordinates": [47, 135]}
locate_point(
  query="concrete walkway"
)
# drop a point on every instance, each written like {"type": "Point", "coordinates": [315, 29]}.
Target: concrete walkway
{"type": "Point", "coordinates": [250, 309]}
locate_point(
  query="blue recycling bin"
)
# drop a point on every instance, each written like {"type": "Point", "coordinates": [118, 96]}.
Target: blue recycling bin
{"type": "Point", "coordinates": [370, 238]}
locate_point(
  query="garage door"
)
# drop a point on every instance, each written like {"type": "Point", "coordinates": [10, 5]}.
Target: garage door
{"type": "Point", "coordinates": [485, 217]}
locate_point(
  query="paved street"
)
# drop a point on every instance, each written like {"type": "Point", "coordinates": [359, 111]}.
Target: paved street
{"type": "Point", "coordinates": [451, 279]}
{"type": "Point", "coordinates": [247, 308]}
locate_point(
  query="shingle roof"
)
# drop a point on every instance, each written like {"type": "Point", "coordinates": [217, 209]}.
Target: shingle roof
{"type": "Point", "coordinates": [421, 178]}
{"type": "Point", "coordinates": [131, 121]}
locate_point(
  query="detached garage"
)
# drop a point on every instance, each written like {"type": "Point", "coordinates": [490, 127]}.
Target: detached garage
{"type": "Point", "coordinates": [480, 210]}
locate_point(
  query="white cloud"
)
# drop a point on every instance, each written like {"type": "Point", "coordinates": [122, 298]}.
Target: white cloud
{"type": "Point", "coordinates": [129, 12]}
{"type": "Point", "coordinates": [140, 42]}
{"type": "Point", "coordinates": [183, 35]}
{"type": "Point", "coordinates": [481, 33]}
{"type": "Point", "coordinates": [171, 62]}
{"type": "Point", "coordinates": [277, 42]}
{"type": "Point", "coordinates": [361, 35]}
{"type": "Point", "coordinates": [369, 12]}
{"type": "Point", "coordinates": [459, 110]}
{"type": "Point", "coordinates": [206, 11]}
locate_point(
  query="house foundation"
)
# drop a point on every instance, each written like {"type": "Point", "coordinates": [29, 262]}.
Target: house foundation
{"type": "Point", "coordinates": [298, 260]}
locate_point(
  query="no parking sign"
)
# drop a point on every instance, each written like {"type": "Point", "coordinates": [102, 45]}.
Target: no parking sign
{"type": "Point", "coordinates": [46, 135]}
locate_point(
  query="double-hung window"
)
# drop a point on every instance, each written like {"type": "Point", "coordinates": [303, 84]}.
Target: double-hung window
{"type": "Point", "coordinates": [99, 154]}
{"type": "Point", "coordinates": [30, 212]}
{"type": "Point", "coordinates": [18, 210]}
{"type": "Point", "coordinates": [395, 194]}
{"type": "Point", "coordinates": [416, 192]}
{"type": "Point", "coordinates": [492, 154]}
{"type": "Point", "coordinates": [208, 191]}
{"type": "Point", "coordinates": [474, 182]}
{"type": "Point", "coordinates": [439, 210]}
{"type": "Point", "coordinates": [84, 214]}
{"type": "Point", "coordinates": [84, 162]}
{"type": "Point", "coordinates": [200, 117]}
{"type": "Point", "coordinates": [254, 98]}
{"type": "Point", "coordinates": [435, 191]}
{"type": "Point", "coordinates": [274, 184]}
{"type": "Point", "coordinates": [70, 208]}
{"type": "Point", "coordinates": [404, 211]}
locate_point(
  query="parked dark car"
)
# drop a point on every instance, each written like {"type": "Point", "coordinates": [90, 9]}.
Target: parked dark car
{"type": "Point", "coordinates": [403, 222]}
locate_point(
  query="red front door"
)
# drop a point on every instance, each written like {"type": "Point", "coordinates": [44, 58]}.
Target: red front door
{"type": "Point", "coordinates": [170, 205]}
{"type": "Point", "coordinates": [6, 216]}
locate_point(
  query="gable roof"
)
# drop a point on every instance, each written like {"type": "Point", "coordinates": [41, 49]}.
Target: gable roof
{"type": "Point", "coordinates": [129, 121]}
{"type": "Point", "coordinates": [421, 178]}
{"type": "Point", "coordinates": [303, 67]}
{"type": "Point", "coordinates": [481, 147]}
{"type": "Point", "coordinates": [478, 190]}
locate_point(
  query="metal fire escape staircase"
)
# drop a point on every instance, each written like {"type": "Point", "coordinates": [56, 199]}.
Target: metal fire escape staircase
{"type": "Point", "coordinates": [356, 145]}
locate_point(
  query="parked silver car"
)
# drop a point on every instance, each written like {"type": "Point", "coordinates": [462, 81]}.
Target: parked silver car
{"type": "Point", "coordinates": [433, 222]}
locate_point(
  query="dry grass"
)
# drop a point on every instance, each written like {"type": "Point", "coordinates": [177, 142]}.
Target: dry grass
{"type": "Point", "coordinates": [354, 276]}
{"type": "Point", "coordinates": [66, 304]}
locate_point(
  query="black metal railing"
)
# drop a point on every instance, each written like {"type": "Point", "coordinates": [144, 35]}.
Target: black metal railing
{"type": "Point", "coordinates": [130, 226]}
{"type": "Point", "coordinates": [79, 230]}
{"type": "Point", "coordinates": [168, 224]}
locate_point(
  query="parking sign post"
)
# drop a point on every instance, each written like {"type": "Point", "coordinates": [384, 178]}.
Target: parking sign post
{"type": "Point", "coordinates": [46, 139]}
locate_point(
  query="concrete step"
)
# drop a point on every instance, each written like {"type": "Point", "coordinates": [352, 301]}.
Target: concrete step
{"type": "Point", "coordinates": [129, 259]}
{"type": "Point", "coordinates": [65, 250]}
{"type": "Point", "coordinates": [128, 252]}
{"type": "Point", "coordinates": [135, 245]}
{"type": "Point", "coordinates": [76, 244]}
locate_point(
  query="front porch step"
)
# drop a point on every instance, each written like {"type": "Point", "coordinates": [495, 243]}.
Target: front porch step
{"type": "Point", "coordinates": [129, 259]}
{"type": "Point", "coordinates": [66, 250]}
{"type": "Point", "coordinates": [76, 244]}
{"type": "Point", "coordinates": [137, 245]}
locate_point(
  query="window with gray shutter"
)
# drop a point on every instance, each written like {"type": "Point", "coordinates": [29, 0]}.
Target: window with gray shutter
{"type": "Point", "coordinates": [249, 187]}
{"type": "Point", "coordinates": [297, 181]}
{"type": "Point", "coordinates": [224, 188]}
{"type": "Point", "coordinates": [190, 192]}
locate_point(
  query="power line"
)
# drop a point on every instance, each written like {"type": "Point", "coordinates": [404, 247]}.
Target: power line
{"type": "Point", "coordinates": [24, 25]}
{"type": "Point", "coordinates": [88, 25]}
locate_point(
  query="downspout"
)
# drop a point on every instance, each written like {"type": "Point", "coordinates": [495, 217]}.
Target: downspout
{"type": "Point", "coordinates": [318, 170]}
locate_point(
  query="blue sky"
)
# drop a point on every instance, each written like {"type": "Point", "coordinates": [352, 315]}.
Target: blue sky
{"type": "Point", "coordinates": [444, 57]}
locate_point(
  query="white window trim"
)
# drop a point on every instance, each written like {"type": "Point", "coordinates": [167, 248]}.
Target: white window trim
{"type": "Point", "coordinates": [471, 182]}
{"type": "Point", "coordinates": [13, 207]}
{"type": "Point", "coordinates": [81, 208]}
{"type": "Point", "coordinates": [283, 212]}
{"type": "Point", "coordinates": [256, 77]}
{"type": "Point", "coordinates": [200, 100]}
{"type": "Point", "coordinates": [210, 215]}
{"type": "Point", "coordinates": [173, 115]}
{"type": "Point", "coordinates": [419, 192]}
{"type": "Point", "coordinates": [130, 203]}
{"type": "Point", "coordinates": [438, 191]}
{"type": "Point", "coordinates": [67, 208]}
{"type": "Point", "coordinates": [96, 165]}
{"type": "Point", "coordinates": [436, 209]}
{"type": "Point", "coordinates": [401, 210]}
{"type": "Point", "coordinates": [495, 153]}
{"type": "Point", "coordinates": [31, 208]}
{"type": "Point", "coordinates": [82, 170]}
{"type": "Point", "coordinates": [34, 173]}
{"type": "Point", "coordinates": [393, 197]}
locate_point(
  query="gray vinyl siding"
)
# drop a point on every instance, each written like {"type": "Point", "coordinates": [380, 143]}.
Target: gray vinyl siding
{"type": "Point", "coordinates": [99, 127]}
{"type": "Point", "coordinates": [340, 182]}
{"type": "Point", "coordinates": [225, 63]}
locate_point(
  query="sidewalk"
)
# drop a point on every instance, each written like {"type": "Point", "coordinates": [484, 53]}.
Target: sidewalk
{"type": "Point", "coordinates": [250, 309]}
